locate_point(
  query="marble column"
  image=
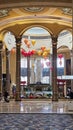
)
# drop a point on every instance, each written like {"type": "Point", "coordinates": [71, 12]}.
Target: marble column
{"type": "Point", "coordinates": [32, 70]}
{"type": "Point", "coordinates": [50, 77]}
{"type": "Point", "coordinates": [54, 65]}
{"type": "Point", "coordinates": [0, 68]}
{"type": "Point", "coordinates": [38, 70]}
{"type": "Point", "coordinates": [28, 70]}
{"type": "Point", "coordinates": [7, 87]}
{"type": "Point", "coordinates": [18, 54]}
{"type": "Point", "coordinates": [71, 54]}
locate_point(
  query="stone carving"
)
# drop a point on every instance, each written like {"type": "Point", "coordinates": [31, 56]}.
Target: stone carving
{"type": "Point", "coordinates": [67, 11]}
{"type": "Point", "coordinates": [4, 12]}
{"type": "Point", "coordinates": [33, 9]}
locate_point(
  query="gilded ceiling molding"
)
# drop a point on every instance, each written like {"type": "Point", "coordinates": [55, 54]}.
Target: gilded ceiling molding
{"type": "Point", "coordinates": [38, 3]}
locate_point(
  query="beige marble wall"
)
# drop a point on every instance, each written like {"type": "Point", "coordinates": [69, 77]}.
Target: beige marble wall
{"type": "Point", "coordinates": [12, 67]}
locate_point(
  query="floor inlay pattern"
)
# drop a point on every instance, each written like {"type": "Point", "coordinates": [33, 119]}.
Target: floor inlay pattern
{"type": "Point", "coordinates": [36, 121]}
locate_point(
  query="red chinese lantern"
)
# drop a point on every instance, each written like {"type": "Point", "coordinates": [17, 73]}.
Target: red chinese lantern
{"type": "Point", "coordinates": [60, 56]}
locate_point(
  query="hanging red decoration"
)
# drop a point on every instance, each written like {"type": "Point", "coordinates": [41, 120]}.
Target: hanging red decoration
{"type": "Point", "coordinates": [33, 52]}
{"type": "Point", "coordinates": [60, 56]}
{"type": "Point", "coordinates": [24, 53]}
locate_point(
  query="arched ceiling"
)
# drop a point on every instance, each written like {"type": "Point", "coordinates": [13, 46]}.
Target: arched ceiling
{"type": "Point", "coordinates": [16, 16]}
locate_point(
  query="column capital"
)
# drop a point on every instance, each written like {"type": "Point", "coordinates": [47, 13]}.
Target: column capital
{"type": "Point", "coordinates": [18, 40]}
{"type": "Point", "coordinates": [1, 44]}
{"type": "Point", "coordinates": [54, 39]}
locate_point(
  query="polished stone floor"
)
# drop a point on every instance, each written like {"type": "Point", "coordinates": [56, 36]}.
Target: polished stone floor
{"type": "Point", "coordinates": [36, 106]}
{"type": "Point", "coordinates": [36, 121]}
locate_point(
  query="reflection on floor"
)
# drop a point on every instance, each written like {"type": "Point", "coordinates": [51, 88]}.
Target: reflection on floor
{"type": "Point", "coordinates": [35, 106]}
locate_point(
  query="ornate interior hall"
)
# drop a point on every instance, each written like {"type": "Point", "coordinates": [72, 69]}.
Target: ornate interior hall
{"type": "Point", "coordinates": [36, 58]}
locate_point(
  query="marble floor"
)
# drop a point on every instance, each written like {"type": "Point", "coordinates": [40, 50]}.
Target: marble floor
{"type": "Point", "coordinates": [36, 106]}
